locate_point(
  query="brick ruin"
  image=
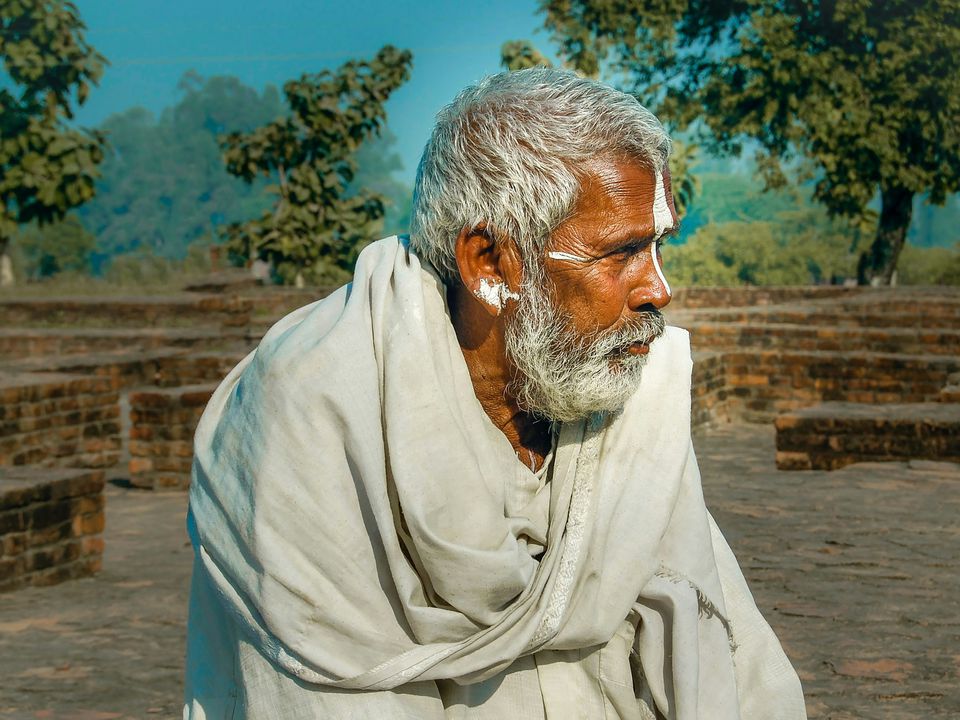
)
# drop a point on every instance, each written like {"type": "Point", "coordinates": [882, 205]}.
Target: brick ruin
{"type": "Point", "coordinates": [114, 387]}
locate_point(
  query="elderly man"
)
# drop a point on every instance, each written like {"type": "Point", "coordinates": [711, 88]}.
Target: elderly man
{"type": "Point", "coordinates": [463, 486]}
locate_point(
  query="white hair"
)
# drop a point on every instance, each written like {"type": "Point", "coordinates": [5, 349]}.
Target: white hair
{"type": "Point", "coordinates": [506, 154]}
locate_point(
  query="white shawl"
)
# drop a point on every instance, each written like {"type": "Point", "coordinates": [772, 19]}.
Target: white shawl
{"type": "Point", "coordinates": [347, 503]}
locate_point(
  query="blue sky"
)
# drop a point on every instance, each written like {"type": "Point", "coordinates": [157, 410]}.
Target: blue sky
{"type": "Point", "coordinates": [151, 44]}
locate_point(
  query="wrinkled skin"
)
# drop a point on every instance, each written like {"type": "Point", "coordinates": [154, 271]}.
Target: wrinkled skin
{"type": "Point", "coordinates": [612, 228]}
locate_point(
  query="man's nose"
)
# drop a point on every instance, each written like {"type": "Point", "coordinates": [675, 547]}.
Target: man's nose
{"type": "Point", "coordinates": [650, 287]}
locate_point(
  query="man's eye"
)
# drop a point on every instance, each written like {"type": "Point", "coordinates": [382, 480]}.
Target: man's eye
{"type": "Point", "coordinates": [628, 251]}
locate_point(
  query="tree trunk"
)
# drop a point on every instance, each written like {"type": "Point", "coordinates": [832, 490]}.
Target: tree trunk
{"type": "Point", "coordinates": [878, 264]}
{"type": "Point", "coordinates": [6, 264]}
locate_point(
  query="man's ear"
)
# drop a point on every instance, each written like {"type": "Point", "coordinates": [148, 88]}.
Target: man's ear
{"type": "Point", "coordinates": [487, 270]}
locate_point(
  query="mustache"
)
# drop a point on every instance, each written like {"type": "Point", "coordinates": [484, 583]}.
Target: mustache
{"type": "Point", "coordinates": [641, 329]}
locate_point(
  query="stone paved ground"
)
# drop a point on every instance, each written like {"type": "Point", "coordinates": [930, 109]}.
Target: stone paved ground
{"type": "Point", "coordinates": [856, 569]}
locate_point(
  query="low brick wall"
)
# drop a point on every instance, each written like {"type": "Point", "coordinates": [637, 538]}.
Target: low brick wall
{"type": "Point", "coordinates": [55, 420]}
{"type": "Point", "coordinates": [833, 435]}
{"type": "Point", "coordinates": [196, 368]}
{"type": "Point", "coordinates": [709, 389]}
{"type": "Point", "coordinates": [715, 336]}
{"type": "Point", "coordinates": [762, 384]}
{"type": "Point", "coordinates": [714, 297]}
{"type": "Point", "coordinates": [136, 312]}
{"type": "Point", "coordinates": [50, 525]}
{"type": "Point", "coordinates": [20, 343]}
{"type": "Point", "coordinates": [161, 436]}
{"type": "Point", "coordinates": [828, 315]}
{"type": "Point", "coordinates": [128, 369]}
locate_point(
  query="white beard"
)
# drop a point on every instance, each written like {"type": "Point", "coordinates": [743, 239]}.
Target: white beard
{"type": "Point", "coordinates": [564, 376]}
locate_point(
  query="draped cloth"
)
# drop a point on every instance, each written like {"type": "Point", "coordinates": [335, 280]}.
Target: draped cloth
{"type": "Point", "coordinates": [348, 508]}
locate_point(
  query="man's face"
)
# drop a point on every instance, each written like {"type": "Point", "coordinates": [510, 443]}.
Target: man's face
{"type": "Point", "coordinates": [589, 309]}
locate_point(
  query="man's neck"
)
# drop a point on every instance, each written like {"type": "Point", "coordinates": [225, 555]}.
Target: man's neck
{"type": "Point", "coordinates": [483, 343]}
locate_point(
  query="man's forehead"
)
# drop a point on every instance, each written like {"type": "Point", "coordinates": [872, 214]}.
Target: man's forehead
{"type": "Point", "coordinates": [622, 198]}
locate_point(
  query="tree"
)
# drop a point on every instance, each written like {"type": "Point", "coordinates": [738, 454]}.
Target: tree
{"type": "Point", "coordinates": [55, 248]}
{"type": "Point", "coordinates": [796, 248]}
{"type": "Point", "coordinates": [867, 93]}
{"type": "Point", "coordinates": [377, 161]}
{"type": "Point", "coordinates": [316, 229]}
{"type": "Point", "coordinates": [163, 186]}
{"type": "Point", "coordinates": [46, 167]}
{"type": "Point", "coordinates": [520, 55]}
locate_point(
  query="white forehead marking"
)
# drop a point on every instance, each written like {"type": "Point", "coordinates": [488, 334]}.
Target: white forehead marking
{"type": "Point", "coordinates": [662, 217]}
{"type": "Point", "coordinates": [566, 256]}
{"type": "Point", "coordinates": [495, 294]}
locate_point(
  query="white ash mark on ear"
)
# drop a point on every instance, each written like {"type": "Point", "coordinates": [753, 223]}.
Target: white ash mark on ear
{"type": "Point", "coordinates": [494, 294]}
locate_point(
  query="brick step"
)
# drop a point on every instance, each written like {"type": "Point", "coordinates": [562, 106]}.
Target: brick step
{"type": "Point", "coordinates": [759, 384]}
{"type": "Point", "coordinates": [714, 297]}
{"type": "Point", "coordinates": [16, 343]}
{"type": "Point", "coordinates": [163, 421]}
{"type": "Point", "coordinates": [950, 394]}
{"type": "Point", "coordinates": [50, 525]}
{"type": "Point", "coordinates": [138, 312]}
{"type": "Point", "coordinates": [910, 341]}
{"type": "Point", "coordinates": [832, 435]}
{"type": "Point", "coordinates": [827, 314]}
{"type": "Point", "coordinates": [59, 420]}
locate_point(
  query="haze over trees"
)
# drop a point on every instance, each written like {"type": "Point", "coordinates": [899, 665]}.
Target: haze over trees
{"type": "Point", "coordinates": [164, 194]}
{"type": "Point", "coordinates": [46, 166]}
{"type": "Point", "coordinates": [316, 228]}
{"type": "Point", "coordinates": [164, 190]}
{"type": "Point", "coordinates": [864, 96]}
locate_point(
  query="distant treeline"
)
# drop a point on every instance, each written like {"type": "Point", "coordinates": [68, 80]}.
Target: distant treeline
{"type": "Point", "coordinates": [164, 190]}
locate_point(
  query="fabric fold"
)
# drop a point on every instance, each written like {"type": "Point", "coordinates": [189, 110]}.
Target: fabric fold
{"type": "Point", "coordinates": [349, 505]}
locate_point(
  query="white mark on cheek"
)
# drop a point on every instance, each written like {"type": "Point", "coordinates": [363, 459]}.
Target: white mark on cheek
{"type": "Point", "coordinates": [494, 294]}
{"type": "Point", "coordinates": [566, 256]}
{"type": "Point", "coordinates": [662, 222]}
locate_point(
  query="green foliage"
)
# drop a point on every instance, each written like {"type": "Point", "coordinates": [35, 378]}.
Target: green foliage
{"type": "Point", "coordinates": [316, 229]}
{"type": "Point", "coordinates": [929, 266]}
{"type": "Point", "coordinates": [520, 55]}
{"type": "Point", "coordinates": [54, 248]}
{"type": "Point", "coordinates": [796, 248]}
{"type": "Point", "coordinates": [684, 184]}
{"type": "Point", "coordinates": [164, 185]}
{"type": "Point", "coordinates": [46, 167]}
{"type": "Point", "coordinates": [145, 268]}
{"type": "Point", "coordinates": [867, 92]}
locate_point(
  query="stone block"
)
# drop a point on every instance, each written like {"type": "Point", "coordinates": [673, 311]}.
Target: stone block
{"type": "Point", "coordinates": [50, 525]}
{"type": "Point", "coordinates": [832, 435]}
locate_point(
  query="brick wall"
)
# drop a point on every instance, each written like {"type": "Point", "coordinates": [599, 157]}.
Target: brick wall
{"type": "Point", "coordinates": [136, 312]}
{"type": "Point", "coordinates": [762, 384]}
{"type": "Point", "coordinates": [16, 343]}
{"type": "Point", "coordinates": [718, 297]}
{"type": "Point", "coordinates": [827, 315]}
{"type": "Point", "coordinates": [905, 340]}
{"type": "Point", "coordinates": [196, 368]}
{"type": "Point", "coordinates": [161, 436]}
{"type": "Point", "coordinates": [55, 420]}
{"type": "Point", "coordinates": [709, 388]}
{"type": "Point", "coordinates": [50, 525]}
{"type": "Point", "coordinates": [833, 435]}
